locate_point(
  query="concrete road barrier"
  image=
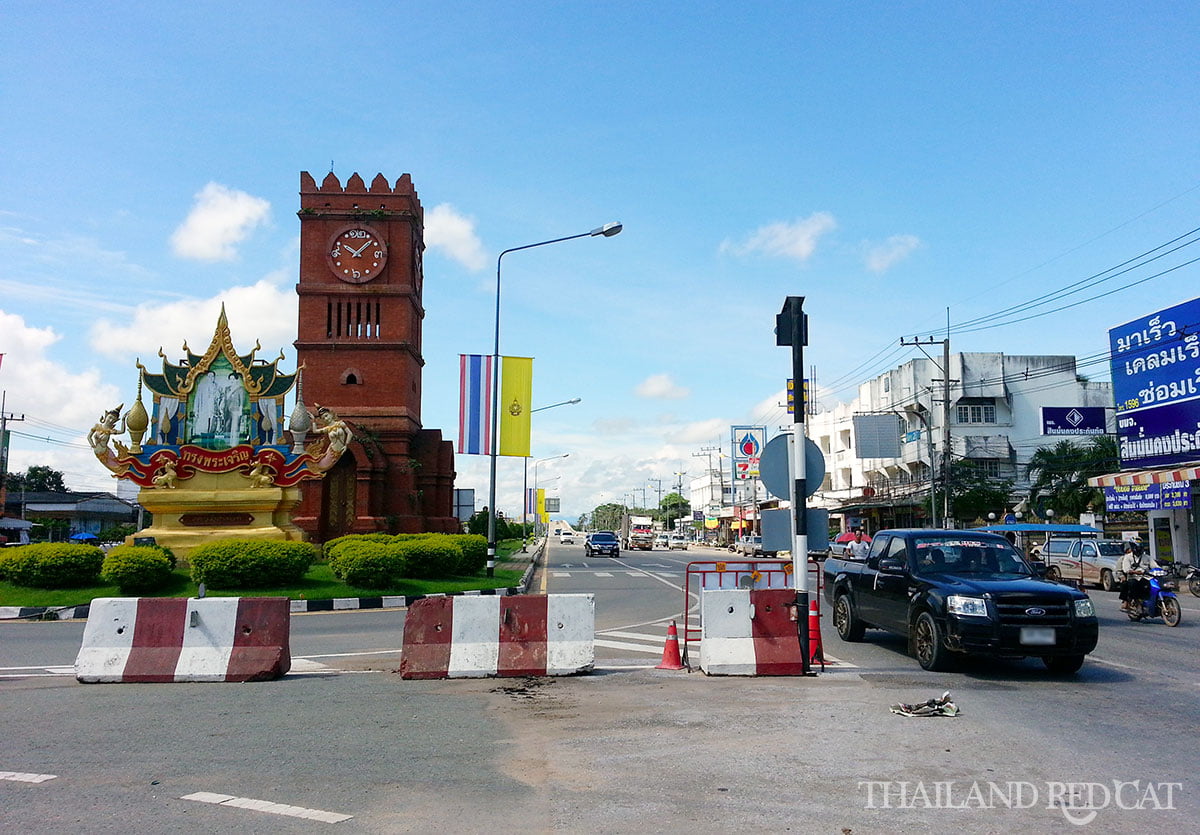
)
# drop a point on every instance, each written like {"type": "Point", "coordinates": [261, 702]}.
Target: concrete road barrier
{"type": "Point", "coordinates": [163, 639]}
{"type": "Point", "coordinates": [748, 632]}
{"type": "Point", "coordinates": [517, 635]}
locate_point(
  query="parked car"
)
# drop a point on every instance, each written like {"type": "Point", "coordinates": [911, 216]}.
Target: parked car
{"type": "Point", "coordinates": [960, 592]}
{"type": "Point", "coordinates": [602, 543]}
{"type": "Point", "coordinates": [566, 538]}
{"type": "Point", "coordinates": [678, 543]}
{"type": "Point", "coordinates": [662, 541]}
{"type": "Point", "coordinates": [1095, 561]}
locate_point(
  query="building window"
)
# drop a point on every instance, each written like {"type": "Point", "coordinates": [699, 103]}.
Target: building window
{"type": "Point", "coordinates": [976, 413]}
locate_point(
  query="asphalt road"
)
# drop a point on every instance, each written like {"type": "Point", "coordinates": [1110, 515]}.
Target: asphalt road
{"type": "Point", "coordinates": [628, 748]}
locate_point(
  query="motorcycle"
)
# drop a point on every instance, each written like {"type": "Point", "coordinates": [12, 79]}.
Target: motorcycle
{"type": "Point", "coordinates": [1161, 602]}
{"type": "Point", "coordinates": [1193, 580]}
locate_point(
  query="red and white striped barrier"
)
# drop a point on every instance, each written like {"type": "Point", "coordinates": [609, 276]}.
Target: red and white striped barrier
{"type": "Point", "coordinates": [749, 633]}
{"type": "Point", "coordinates": [473, 636]}
{"type": "Point", "coordinates": [164, 639]}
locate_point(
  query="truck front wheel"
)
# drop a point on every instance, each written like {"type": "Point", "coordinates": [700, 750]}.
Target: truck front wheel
{"type": "Point", "coordinates": [849, 627]}
{"type": "Point", "coordinates": [930, 649]}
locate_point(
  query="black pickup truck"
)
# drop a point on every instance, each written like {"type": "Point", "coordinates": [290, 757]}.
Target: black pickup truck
{"type": "Point", "coordinates": [959, 592]}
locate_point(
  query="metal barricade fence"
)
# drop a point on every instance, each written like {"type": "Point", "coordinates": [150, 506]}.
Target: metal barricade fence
{"type": "Point", "coordinates": [748, 574]}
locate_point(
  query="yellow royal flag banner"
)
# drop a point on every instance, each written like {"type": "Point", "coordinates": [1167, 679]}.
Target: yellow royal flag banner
{"type": "Point", "coordinates": [541, 505]}
{"type": "Point", "coordinates": [516, 391]}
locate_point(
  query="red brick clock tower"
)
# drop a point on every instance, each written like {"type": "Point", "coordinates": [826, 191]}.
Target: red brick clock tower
{"type": "Point", "coordinates": [359, 344]}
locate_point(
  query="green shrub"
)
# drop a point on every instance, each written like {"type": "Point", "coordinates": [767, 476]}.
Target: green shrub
{"type": "Point", "coordinates": [52, 565]}
{"type": "Point", "coordinates": [137, 568]}
{"type": "Point", "coordinates": [333, 544]}
{"type": "Point", "coordinates": [235, 563]}
{"type": "Point", "coordinates": [373, 565]}
{"type": "Point", "coordinates": [431, 557]}
{"type": "Point", "coordinates": [474, 553]}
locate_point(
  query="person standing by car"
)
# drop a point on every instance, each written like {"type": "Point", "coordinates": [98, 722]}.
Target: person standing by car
{"type": "Point", "coordinates": [857, 548]}
{"type": "Point", "coordinates": [1134, 566]}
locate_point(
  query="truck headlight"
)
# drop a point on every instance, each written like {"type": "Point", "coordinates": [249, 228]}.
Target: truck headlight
{"type": "Point", "coordinates": [1084, 608]}
{"type": "Point", "coordinates": [959, 604]}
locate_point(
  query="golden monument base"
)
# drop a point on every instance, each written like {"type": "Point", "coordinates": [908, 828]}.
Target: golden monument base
{"type": "Point", "coordinates": [212, 506]}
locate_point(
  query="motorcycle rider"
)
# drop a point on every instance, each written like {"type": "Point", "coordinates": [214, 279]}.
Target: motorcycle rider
{"type": "Point", "coordinates": [1135, 565]}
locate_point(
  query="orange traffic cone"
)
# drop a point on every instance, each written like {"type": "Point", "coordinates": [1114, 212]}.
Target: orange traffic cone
{"type": "Point", "coordinates": [816, 653]}
{"type": "Point", "coordinates": [670, 659]}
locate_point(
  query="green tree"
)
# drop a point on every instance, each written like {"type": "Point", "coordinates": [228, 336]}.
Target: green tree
{"type": "Point", "coordinates": [1058, 475]}
{"type": "Point", "coordinates": [37, 479]}
{"type": "Point", "coordinates": [674, 506]}
{"type": "Point", "coordinates": [973, 493]}
{"type": "Point", "coordinates": [607, 517]}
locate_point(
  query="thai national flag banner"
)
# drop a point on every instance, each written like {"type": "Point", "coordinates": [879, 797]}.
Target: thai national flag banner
{"type": "Point", "coordinates": [474, 402]}
{"type": "Point", "coordinates": [530, 502]}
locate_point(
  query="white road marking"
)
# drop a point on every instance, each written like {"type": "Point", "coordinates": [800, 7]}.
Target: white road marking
{"type": "Point", "coordinates": [1114, 664]}
{"type": "Point", "coordinates": [638, 636]}
{"type": "Point", "coordinates": [603, 574]}
{"type": "Point", "coordinates": [630, 647]}
{"type": "Point", "coordinates": [348, 654]}
{"type": "Point", "coordinates": [560, 573]}
{"type": "Point", "coordinates": [47, 671]}
{"type": "Point", "coordinates": [267, 806]}
{"type": "Point", "coordinates": [24, 777]}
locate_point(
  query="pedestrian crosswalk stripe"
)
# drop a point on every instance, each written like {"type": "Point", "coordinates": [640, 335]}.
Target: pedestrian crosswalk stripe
{"type": "Point", "coordinates": [560, 573]}
{"type": "Point", "coordinates": [629, 647]}
{"type": "Point", "coordinates": [603, 574]}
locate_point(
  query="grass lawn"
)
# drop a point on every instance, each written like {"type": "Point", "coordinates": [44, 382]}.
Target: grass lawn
{"type": "Point", "coordinates": [318, 584]}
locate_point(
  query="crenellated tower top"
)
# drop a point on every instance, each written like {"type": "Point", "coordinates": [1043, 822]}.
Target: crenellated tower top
{"type": "Point", "coordinates": [330, 197]}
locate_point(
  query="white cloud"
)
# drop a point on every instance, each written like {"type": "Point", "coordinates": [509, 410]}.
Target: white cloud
{"type": "Point", "coordinates": [221, 218]}
{"type": "Point", "coordinates": [454, 236]}
{"type": "Point", "coordinates": [58, 403]}
{"type": "Point", "coordinates": [882, 257]}
{"type": "Point", "coordinates": [797, 240]}
{"type": "Point", "coordinates": [660, 386]}
{"type": "Point", "coordinates": [262, 311]}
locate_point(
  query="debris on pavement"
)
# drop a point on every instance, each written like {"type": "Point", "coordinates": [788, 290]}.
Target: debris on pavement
{"type": "Point", "coordinates": [933, 707]}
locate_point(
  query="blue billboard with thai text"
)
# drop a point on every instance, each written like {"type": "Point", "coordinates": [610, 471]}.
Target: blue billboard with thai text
{"type": "Point", "coordinates": [1156, 387]}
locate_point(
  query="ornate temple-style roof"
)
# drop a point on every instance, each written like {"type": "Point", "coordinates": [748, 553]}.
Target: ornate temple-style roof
{"type": "Point", "coordinates": [263, 379]}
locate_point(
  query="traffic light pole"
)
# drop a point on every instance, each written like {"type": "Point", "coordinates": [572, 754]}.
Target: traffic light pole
{"type": "Point", "coordinates": [791, 329]}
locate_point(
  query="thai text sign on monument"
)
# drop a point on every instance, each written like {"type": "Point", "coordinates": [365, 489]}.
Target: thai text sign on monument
{"type": "Point", "coordinates": [1156, 387]}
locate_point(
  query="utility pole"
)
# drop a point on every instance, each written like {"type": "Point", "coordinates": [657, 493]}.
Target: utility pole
{"type": "Point", "coordinates": [945, 381]}
{"type": "Point", "coordinates": [659, 489]}
{"type": "Point", "coordinates": [5, 417]}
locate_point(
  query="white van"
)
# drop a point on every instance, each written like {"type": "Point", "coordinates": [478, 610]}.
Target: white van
{"type": "Point", "coordinates": [1094, 561]}
{"type": "Point", "coordinates": [566, 537]}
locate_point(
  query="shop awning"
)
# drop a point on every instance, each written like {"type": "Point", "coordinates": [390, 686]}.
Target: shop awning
{"type": "Point", "coordinates": [1189, 473]}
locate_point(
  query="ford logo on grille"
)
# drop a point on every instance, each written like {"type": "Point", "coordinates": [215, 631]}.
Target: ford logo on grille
{"type": "Point", "coordinates": [1035, 611]}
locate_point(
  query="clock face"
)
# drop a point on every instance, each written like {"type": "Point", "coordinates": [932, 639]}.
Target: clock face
{"type": "Point", "coordinates": [357, 254]}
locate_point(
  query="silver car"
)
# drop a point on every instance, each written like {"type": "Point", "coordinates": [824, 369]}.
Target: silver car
{"type": "Point", "coordinates": [1093, 561]}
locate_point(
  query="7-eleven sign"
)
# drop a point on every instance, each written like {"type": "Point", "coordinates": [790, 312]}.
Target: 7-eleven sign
{"type": "Point", "coordinates": [748, 443]}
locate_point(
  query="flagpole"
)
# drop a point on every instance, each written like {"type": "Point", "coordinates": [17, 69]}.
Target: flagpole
{"type": "Point", "coordinates": [607, 231]}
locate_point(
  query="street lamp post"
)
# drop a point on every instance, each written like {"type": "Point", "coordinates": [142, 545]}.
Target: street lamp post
{"type": "Point", "coordinates": [525, 474]}
{"type": "Point", "coordinates": [607, 231]}
{"type": "Point", "coordinates": [535, 466]}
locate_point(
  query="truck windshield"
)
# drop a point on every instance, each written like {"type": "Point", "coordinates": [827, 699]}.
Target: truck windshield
{"type": "Point", "coordinates": [964, 555]}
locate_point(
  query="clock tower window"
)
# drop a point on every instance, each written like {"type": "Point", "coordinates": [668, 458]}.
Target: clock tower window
{"type": "Point", "coordinates": [353, 319]}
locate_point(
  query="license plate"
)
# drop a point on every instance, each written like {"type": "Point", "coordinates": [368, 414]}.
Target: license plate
{"type": "Point", "coordinates": [1037, 636]}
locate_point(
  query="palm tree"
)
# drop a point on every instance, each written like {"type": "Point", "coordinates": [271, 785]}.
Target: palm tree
{"type": "Point", "coordinates": [1059, 474]}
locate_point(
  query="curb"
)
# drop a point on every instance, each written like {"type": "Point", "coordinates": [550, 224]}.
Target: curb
{"type": "Point", "coordinates": [336, 604]}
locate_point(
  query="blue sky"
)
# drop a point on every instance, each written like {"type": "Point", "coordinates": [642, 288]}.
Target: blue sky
{"type": "Point", "coordinates": [886, 161]}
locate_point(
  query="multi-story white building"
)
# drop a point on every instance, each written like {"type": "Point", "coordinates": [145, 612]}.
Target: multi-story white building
{"type": "Point", "coordinates": [994, 422]}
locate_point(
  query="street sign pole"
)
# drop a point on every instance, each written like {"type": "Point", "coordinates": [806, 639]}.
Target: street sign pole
{"type": "Point", "coordinates": [791, 329]}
